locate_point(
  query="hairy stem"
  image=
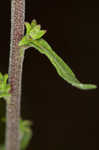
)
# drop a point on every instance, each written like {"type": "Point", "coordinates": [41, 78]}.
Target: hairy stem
{"type": "Point", "coordinates": [15, 75]}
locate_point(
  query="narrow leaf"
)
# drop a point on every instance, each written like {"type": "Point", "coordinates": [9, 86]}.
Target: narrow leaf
{"type": "Point", "coordinates": [62, 68]}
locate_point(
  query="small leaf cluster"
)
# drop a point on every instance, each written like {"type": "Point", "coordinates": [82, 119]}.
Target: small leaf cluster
{"type": "Point", "coordinates": [33, 38]}
{"type": "Point", "coordinates": [33, 32]}
{"type": "Point", "coordinates": [4, 87]}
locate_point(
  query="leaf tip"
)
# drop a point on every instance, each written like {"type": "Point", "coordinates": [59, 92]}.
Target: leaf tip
{"type": "Point", "coordinates": [87, 86]}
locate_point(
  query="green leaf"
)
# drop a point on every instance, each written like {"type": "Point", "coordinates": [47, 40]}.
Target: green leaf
{"type": "Point", "coordinates": [62, 68]}
{"type": "Point", "coordinates": [28, 27]}
{"type": "Point", "coordinates": [36, 34]}
{"type": "Point", "coordinates": [25, 133]}
{"type": "Point", "coordinates": [33, 23]}
{"type": "Point", "coordinates": [4, 87]}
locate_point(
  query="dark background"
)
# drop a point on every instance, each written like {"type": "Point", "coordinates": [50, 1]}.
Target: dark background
{"type": "Point", "coordinates": [64, 117]}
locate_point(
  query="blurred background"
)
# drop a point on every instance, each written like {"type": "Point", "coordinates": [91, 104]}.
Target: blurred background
{"type": "Point", "coordinates": [64, 118]}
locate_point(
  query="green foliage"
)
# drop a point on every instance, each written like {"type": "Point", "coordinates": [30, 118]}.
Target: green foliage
{"type": "Point", "coordinates": [33, 38]}
{"type": "Point", "coordinates": [34, 31]}
{"type": "Point", "coordinates": [4, 87]}
{"type": "Point", "coordinates": [25, 134]}
{"type": "Point", "coordinates": [25, 130]}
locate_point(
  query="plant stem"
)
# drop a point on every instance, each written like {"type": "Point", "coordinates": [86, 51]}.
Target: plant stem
{"type": "Point", "coordinates": [15, 75]}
